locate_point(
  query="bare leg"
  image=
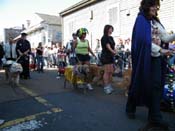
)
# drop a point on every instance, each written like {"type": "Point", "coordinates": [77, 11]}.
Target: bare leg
{"type": "Point", "coordinates": [106, 78]}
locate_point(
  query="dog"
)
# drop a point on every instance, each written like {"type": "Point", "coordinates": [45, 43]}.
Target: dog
{"type": "Point", "coordinates": [97, 74]}
{"type": "Point", "coordinates": [13, 70]}
{"type": "Point", "coordinates": [94, 73]}
{"type": "Point", "coordinates": [81, 70]}
{"type": "Point", "coordinates": [125, 83]}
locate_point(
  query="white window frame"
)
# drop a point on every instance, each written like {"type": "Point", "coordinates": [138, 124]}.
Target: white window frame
{"type": "Point", "coordinates": [117, 25]}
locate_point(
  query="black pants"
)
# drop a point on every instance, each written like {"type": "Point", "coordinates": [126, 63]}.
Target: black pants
{"type": "Point", "coordinates": [154, 114]}
{"type": "Point", "coordinates": [156, 94]}
{"type": "Point", "coordinates": [24, 61]}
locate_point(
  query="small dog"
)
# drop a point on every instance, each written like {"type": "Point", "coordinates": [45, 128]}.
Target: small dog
{"type": "Point", "coordinates": [125, 83]}
{"type": "Point", "coordinates": [94, 73]}
{"type": "Point", "coordinates": [81, 70]}
{"type": "Point", "coordinates": [97, 74]}
{"type": "Point", "coordinates": [13, 72]}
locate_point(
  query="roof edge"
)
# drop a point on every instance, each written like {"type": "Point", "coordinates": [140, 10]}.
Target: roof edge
{"type": "Point", "coordinates": [78, 6]}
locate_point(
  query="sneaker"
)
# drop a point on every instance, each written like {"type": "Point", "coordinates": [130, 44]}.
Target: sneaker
{"type": "Point", "coordinates": [1, 121]}
{"type": "Point", "coordinates": [89, 86]}
{"type": "Point", "coordinates": [107, 90]}
{"type": "Point", "coordinates": [58, 77]}
{"type": "Point", "coordinates": [110, 87]}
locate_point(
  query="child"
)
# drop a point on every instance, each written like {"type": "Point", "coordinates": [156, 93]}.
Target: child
{"type": "Point", "coordinates": [156, 49]}
{"type": "Point", "coordinates": [156, 42]}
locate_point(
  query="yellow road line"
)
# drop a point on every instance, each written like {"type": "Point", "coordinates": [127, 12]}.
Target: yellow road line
{"type": "Point", "coordinates": [43, 101]}
{"type": "Point", "coordinates": [28, 118]}
{"type": "Point", "coordinates": [29, 92]}
{"type": "Point", "coordinates": [56, 110]}
{"type": "Point", "coordinates": [36, 97]}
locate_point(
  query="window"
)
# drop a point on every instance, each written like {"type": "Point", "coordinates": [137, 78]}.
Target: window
{"type": "Point", "coordinates": [114, 20]}
{"type": "Point", "coordinates": [44, 39]}
{"type": "Point", "coordinates": [113, 16]}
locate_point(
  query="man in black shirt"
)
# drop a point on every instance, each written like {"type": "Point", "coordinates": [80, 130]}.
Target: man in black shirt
{"type": "Point", "coordinates": [23, 50]}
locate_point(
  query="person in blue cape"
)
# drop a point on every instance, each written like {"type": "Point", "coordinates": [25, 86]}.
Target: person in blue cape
{"type": "Point", "coordinates": [146, 81]}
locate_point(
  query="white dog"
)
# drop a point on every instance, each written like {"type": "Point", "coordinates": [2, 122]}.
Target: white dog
{"type": "Point", "coordinates": [13, 71]}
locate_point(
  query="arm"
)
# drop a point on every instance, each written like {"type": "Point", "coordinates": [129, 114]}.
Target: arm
{"type": "Point", "coordinates": [155, 50]}
{"type": "Point", "coordinates": [75, 44]}
{"type": "Point", "coordinates": [20, 53]}
{"type": "Point", "coordinates": [164, 36]}
{"type": "Point", "coordinates": [18, 49]}
{"type": "Point", "coordinates": [90, 50]}
{"type": "Point", "coordinates": [28, 50]}
{"type": "Point", "coordinates": [39, 49]}
{"type": "Point", "coordinates": [110, 49]}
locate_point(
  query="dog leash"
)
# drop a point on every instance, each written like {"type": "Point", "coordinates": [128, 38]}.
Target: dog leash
{"type": "Point", "coordinates": [18, 58]}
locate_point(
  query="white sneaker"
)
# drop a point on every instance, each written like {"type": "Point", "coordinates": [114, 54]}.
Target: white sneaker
{"type": "Point", "coordinates": [110, 87]}
{"type": "Point", "coordinates": [1, 121]}
{"type": "Point", "coordinates": [58, 77]}
{"type": "Point", "coordinates": [107, 90]}
{"type": "Point", "coordinates": [89, 86]}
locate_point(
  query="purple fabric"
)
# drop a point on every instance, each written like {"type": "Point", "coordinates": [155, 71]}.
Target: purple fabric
{"type": "Point", "coordinates": [141, 61]}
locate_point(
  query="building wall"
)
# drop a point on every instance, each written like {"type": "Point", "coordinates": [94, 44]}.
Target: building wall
{"type": "Point", "coordinates": [11, 33]}
{"type": "Point", "coordinates": [113, 12]}
{"type": "Point", "coordinates": [35, 38]}
{"type": "Point", "coordinates": [54, 33]}
{"type": "Point", "coordinates": [50, 33]}
{"type": "Point", "coordinates": [167, 14]}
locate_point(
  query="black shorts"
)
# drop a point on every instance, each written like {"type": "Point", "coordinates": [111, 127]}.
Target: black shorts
{"type": "Point", "coordinates": [83, 58]}
{"type": "Point", "coordinates": [106, 59]}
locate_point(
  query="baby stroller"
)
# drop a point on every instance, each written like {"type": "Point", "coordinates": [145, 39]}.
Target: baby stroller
{"type": "Point", "coordinates": [61, 63]}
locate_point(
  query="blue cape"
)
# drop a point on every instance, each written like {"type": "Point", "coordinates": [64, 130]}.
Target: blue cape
{"type": "Point", "coordinates": [141, 60]}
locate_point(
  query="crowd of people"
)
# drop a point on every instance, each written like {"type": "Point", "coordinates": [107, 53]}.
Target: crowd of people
{"type": "Point", "coordinates": [52, 56]}
{"type": "Point", "coordinates": [45, 56]}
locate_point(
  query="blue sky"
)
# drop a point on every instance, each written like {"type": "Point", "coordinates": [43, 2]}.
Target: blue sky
{"type": "Point", "coordinates": [16, 12]}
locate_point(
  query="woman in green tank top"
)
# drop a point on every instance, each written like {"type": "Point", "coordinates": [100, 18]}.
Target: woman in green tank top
{"type": "Point", "coordinates": [83, 49]}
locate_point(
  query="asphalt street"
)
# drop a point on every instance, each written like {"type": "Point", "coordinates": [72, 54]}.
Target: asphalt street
{"type": "Point", "coordinates": [43, 104]}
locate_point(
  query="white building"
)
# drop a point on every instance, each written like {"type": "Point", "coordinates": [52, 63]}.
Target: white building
{"type": "Point", "coordinates": [95, 14]}
{"type": "Point", "coordinates": [47, 31]}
